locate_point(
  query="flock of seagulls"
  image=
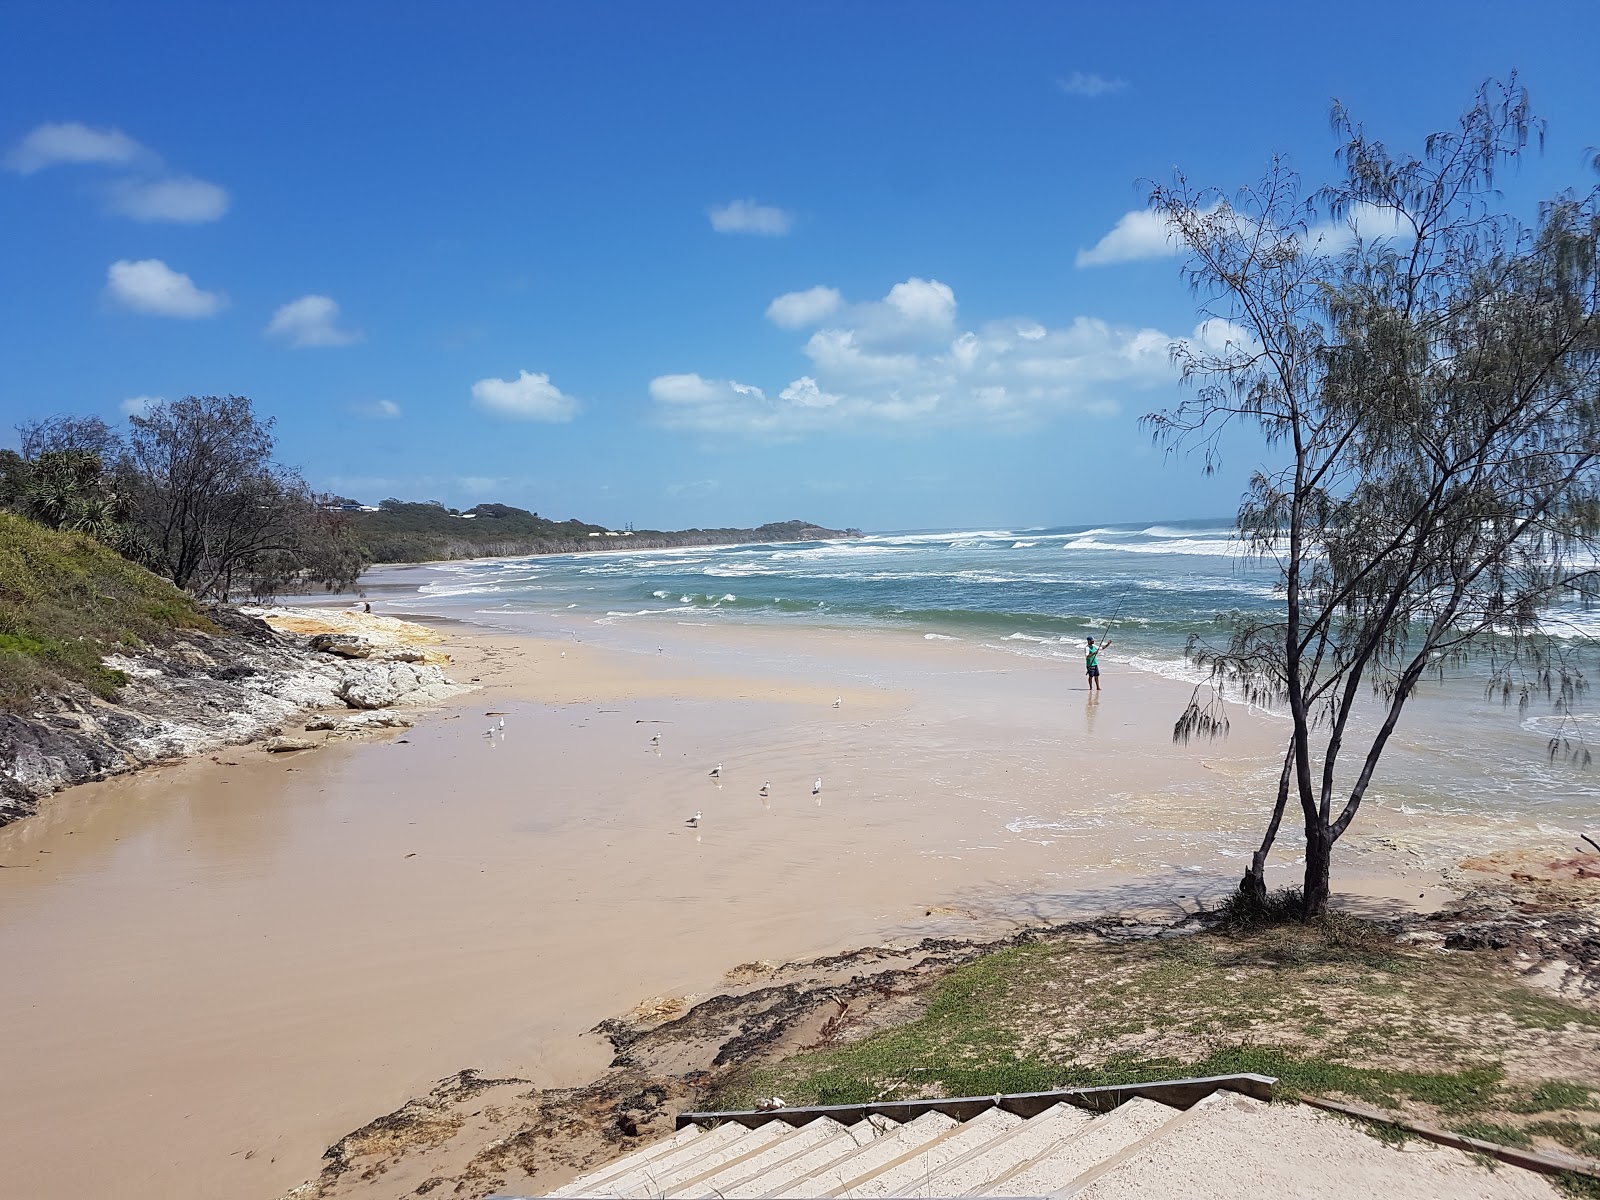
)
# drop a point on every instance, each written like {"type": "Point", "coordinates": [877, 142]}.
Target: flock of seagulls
{"type": "Point", "coordinates": [716, 774]}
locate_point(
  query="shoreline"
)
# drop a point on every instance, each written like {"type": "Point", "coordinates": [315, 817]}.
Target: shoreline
{"type": "Point", "coordinates": [385, 911]}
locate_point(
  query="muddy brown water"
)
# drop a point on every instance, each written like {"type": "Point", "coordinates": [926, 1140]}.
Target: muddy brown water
{"type": "Point", "coordinates": [215, 969]}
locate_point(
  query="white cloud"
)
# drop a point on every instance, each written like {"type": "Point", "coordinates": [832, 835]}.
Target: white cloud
{"type": "Point", "coordinates": [179, 198]}
{"type": "Point", "coordinates": [58, 142]}
{"type": "Point", "coordinates": [150, 286]}
{"type": "Point", "coordinates": [805, 393]}
{"type": "Point", "coordinates": [1145, 234]}
{"type": "Point", "coordinates": [794, 310]}
{"type": "Point", "coordinates": [1139, 234]}
{"type": "Point", "coordinates": [311, 321]}
{"type": "Point", "coordinates": [902, 363]}
{"type": "Point", "coordinates": [923, 301]}
{"type": "Point", "coordinates": [381, 410]}
{"type": "Point", "coordinates": [746, 216]}
{"type": "Point", "coordinates": [479, 485]}
{"type": "Point", "coordinates": [528, 397]}
{"type": "Point", "coordinates": [1366, 221]}
{"type": "Point", "coordinates": [1081, 84]}
{"type": "Point", "coordinates": [699, 487]}
{"type": "Point", "coordinates": [137, 406]}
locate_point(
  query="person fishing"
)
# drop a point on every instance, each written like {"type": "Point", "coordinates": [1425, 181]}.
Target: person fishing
{"type": "Point", "coordinates": [1091, 663]}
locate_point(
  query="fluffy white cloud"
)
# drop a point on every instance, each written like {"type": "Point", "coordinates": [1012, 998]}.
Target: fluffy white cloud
{"type": "Point", "coordinates": [746, 216]}
{"type": "Point", "coordinates": [311, 321]}
{"type": "Point", "coordinates": [180, 198]}
{"type": "Point", "coordinates": [795, 310]}
{"type": "Point", "coordinates": [1143, 234]}
{"type": "Point", "coordinates": [380, 410]}
{"type": "Point", "coordinates": [1080, 83]}
{"type": "Point", "coordinates": [58, 142]}
{"type": "Point", "coordinates": [1368, 222]}
{"type": "Point", "coordinates": [1136, 235]}
{"type": "Point", "coordinates": [902, 363]}
{"type": "Point", "coordinates": [528, 397]}
{"type": "Point", "coordinates": [137, 406]}
{"type": "Point", "coordinates": [923, 301]}
{"type": "Point", "coordinates": [150, 286]}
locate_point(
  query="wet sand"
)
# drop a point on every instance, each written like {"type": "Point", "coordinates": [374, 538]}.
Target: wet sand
{"type": "Point", "coordinates": [215, 969]}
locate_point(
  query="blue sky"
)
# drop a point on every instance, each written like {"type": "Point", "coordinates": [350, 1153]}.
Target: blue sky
{"type": "Point", "coordinates": [690, 263]}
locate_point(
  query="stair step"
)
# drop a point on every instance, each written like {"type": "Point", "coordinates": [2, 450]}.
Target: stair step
{"type": "Point", "coordinates": [842, 1147]}
{"type": "Point", "coordinates": [1028, 1141]}
{"type": "Point", "coordinates": [585, 1185]}
{"type": "Point", "coordinates": [1104, 1137]}
{"type": "Point", "coordinates": [890, 1179]}
{"type": "Point", "coordinates": [1196, 1142]}
{"type": "Point", "coordinates": [697, 1158]}
{"type": "Point", "coordinates": [829, 1178]}
{"type": "Point", "coordinates": [726, 1178]}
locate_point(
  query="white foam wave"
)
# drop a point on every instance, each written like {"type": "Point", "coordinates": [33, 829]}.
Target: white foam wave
{"type": "Point", "coordinates": [1169, 531]}
{"type": "Point", "coordinates": [1196, 546]}
{"type": "Point", "coordinates": [939, 637]}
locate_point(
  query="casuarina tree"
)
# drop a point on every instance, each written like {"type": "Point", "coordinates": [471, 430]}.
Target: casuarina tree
{"type": "Point", "coordinates": [1425, 371]}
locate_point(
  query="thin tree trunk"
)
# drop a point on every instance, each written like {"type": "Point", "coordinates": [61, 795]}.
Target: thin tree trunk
{"type": "Point", "coordinates": [1254, 884]}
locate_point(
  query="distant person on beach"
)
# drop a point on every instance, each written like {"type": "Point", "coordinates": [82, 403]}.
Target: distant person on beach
{"type": "Point", "coordinates": [1091, 663]}
{"type": "Point", "coordinates": [367, 607]}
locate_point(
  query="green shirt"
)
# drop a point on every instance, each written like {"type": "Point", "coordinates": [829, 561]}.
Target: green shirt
{"type": "Point", "coordinates": [1093, 657]}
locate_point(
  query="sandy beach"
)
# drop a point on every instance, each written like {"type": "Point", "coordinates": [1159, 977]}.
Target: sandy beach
{"type": "Point", "coordinates": [217, 968]}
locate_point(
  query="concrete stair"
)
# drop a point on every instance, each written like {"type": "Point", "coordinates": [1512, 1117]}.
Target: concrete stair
{"type": "Point", "coordinates": [1191, 1142]}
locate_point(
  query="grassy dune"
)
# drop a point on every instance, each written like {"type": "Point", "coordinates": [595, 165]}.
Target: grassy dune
{"type": "Point", "coordinates": [66, 601]}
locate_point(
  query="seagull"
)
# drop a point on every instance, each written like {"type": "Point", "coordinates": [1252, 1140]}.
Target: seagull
{"type": "Point", "coordinates": [816, 788]}
{"type": "Point", "coordinates": [502, 722]}
{"type": "Point", "coordinates": [838, 700]}
{"type": "Point", "coordinates": [656, 740]}
{"type": "Point", "coordinates": [716, 771]}
{"type": "Point", "coordinates": [694, 821]}
{"type": "Point", "coordinates": [489, 732]}
{"type": "Point", "coordinates": [765, 787]}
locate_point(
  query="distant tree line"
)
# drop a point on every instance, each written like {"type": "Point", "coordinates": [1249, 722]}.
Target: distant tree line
{"type": "Point", "coordinates": [402, 532]}
{"type": "Point", "coordinates": [191, 491]}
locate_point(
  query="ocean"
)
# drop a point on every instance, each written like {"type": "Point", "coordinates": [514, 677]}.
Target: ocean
{"type": "Point", "coordinates": [1039, 593]}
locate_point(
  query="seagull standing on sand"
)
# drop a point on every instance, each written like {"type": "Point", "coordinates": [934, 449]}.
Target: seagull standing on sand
{"type": "Point", "coordinates": [837, 701]}
{"type": "Point", "coordinates": [502, 722]}
{"type": "Point", "coordinates": [694, 821]}
{"type": "Point", "coordinates": [656, 740]}
{"type": "Point", "coordinates": [765, 788]}
{"type": "Point", "coordinates": [816, 788]}
{"type": "Point", "coordinates": [716, 771]}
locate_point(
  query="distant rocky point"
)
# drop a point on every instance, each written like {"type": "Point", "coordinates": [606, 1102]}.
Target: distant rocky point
{"type": "Point", "coordinates": [401, 532]}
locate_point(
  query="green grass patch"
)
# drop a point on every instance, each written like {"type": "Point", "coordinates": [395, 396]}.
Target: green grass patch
{"type": "Point", "coordinates": [972, 1037]}
{"type": "Point", "coordinates": [1555, 1095]}
{"type": "Point", "coordinates": [66, 601]}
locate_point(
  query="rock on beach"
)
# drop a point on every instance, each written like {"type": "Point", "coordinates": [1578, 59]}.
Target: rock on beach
{"type": "Point", "coordinates": [205, 691]}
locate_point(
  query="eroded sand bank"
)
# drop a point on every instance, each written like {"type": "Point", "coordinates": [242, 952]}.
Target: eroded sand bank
{"type": "Point", "coordinates": [215, 969]}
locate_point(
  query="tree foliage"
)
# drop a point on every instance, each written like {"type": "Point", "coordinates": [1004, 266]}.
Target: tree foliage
{"type": "Point", "coordinates": [219, 515]}
{"type": "Point", "coordinates": [1425, 370]}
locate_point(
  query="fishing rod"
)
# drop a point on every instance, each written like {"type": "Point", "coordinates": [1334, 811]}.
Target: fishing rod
{"type": "Point", "coordinates": [1106, 632]}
